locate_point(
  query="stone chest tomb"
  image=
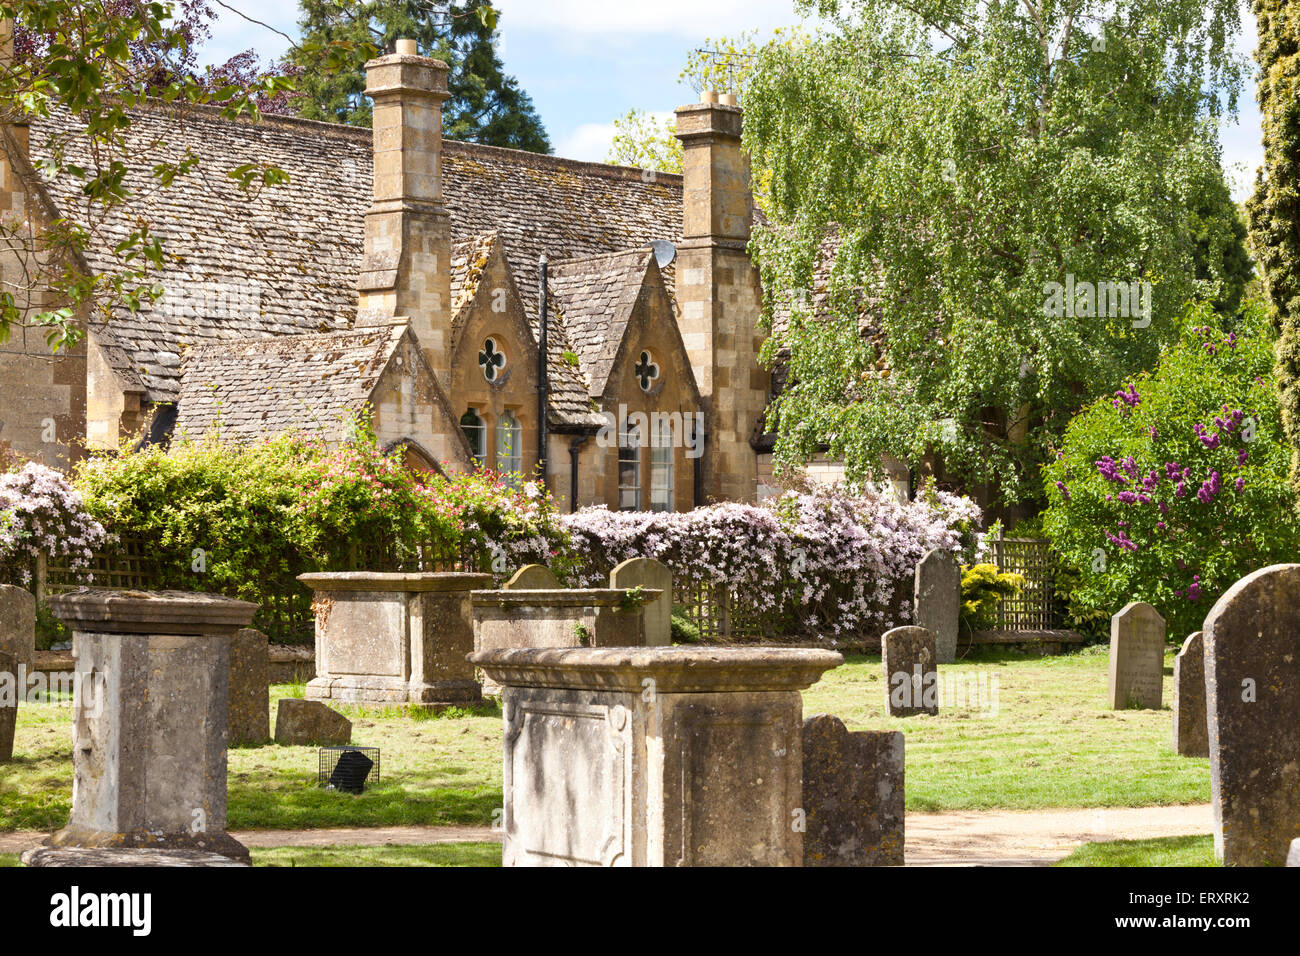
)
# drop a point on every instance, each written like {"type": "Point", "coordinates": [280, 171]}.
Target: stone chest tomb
{"type": "Point", "coordinates": [657, 756]}
{"type": "Point", "coordinates": [394, 638]}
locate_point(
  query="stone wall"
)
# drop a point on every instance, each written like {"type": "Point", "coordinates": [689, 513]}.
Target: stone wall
{"type": "Point", "coordinates": [44, 411]}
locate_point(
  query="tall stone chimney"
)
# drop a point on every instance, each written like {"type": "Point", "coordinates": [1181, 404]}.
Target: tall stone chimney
{"type": "Point", "coordinates": [406, 270]}
{"type": "Point", "coordinates": [720, 295]}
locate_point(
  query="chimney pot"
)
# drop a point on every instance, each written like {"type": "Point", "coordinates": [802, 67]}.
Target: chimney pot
{"type": "Point", "coordinates": [728, 99]}
{"type": "Point", "coordinates": [407, 48]}
{"type": "Point", "coordinates": [708, 96]}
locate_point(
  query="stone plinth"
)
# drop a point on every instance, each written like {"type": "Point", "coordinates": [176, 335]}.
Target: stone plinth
{"type": "Point", "coordinates": [150, 719]}
{"type": "Point", "coordinates": [936, 601]}
{"type": "Point", "coordinates": [1191, 736]}
{"type": "Point", "coordinates": [394, 639]}
{"type": "Point", "coordinates": [101, 857]}
{"type": "Point", "coordinates": [852, 795]}
{"type": "Point", "coordinates": [1137, 658]}
{"type": "Point", "coordinates": [595, 617]}
{"type": "Point", "coordinates": [652, 575]}
{"type": "Point", "coordinates": [911, 671]}
{"type": "Point", "coordinates": [661, 756]}
{"type": "Point", "coordinates": [1252, 689]}
{"type": "Point", "coordinates": [18, 624]}
{"type": "Point", "coordinates": [250, 688]}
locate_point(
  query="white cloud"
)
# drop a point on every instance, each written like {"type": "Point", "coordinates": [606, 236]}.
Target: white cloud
{"type": "Point", "coordinates": [589, 142]}
{"type": "Point", "coordinates": [233, 34]}
{"type": "Point", "coordinates": [692, 18]}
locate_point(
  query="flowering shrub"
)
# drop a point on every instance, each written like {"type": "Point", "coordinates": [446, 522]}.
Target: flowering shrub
{"type": "Point", "coordinates": [245, 521]}
{"type": "Point", "coordinates": [830, 560]}
{"type": "Point", "coordinates": [40, 514]}
{"type": "Point", "coordinates": [1174, 488]}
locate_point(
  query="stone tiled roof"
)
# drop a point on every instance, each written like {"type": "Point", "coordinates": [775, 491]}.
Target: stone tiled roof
{"type": "Point", "coordinates": [258, 388]}
{"type": "Point", "coordinates": [595, 296]}
{"type": "Point", "coordinates": [285, 259]}
{"type": "Point", "coordinates": [468, 259]}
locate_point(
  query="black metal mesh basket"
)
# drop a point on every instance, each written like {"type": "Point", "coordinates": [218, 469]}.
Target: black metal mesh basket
{"type": "Point", "coordinates": [348, 769]}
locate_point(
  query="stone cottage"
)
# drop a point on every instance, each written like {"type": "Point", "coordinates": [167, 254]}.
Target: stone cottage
{"type": "Point", "coordinates": [398, 277]}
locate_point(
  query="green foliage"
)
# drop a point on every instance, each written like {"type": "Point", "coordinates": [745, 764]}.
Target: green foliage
{"type": "Point", "coordinates": [246, 521]}
{"type": "Point", "coordinates": [645, 142]}
{"type": "Point", "coordinates": [1176, 487]}
{"type": "Point", "coordinates": [486, 106]}
{"type": "Point", "coordinates": [1274, 209]}
{"type": "Point", "coordinates": [684, 630]}
{"type": "Point", "coordinates": [101, 60]}
{"type": "Point", "coordinates": [983, 588]}
{"type": "Point", "coordinates": [967, 155]}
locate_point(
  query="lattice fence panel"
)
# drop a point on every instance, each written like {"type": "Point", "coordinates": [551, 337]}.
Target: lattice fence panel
{"type": "Point", "coordinates": [1037, 606]}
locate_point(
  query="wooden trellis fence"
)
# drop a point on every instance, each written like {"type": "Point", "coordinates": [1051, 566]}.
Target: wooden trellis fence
{"type": "Point", "coordinates": [1038, 606]}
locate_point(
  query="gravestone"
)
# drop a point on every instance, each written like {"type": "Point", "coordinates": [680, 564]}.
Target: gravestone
{"type": "Point", "coordinates": [1191, 734]}
{"type": "Point", "coordinates": [653, 756]}
{"type": "Point", "coordinates": [309, 723]}
{"type": "Point", "coordinates": [852, 795]}
{"type": "Point", "coordinates": [1252, 684]}
{"type": "Point", "coordinates": [652, 575]}
{"type": "Point", "coordinates": [911, 671]}
{"type": "Point", "coordinates": [936, 601]}
{"type": "Point", "coordinates": [567, 617]}
{"type": "Point", "coordinates": [250, 688]}
{"type": "Point", "coordinates": [18, 624]}
{"type": "Point", "coordinates": [11, 690]}
{"type": "Point", "coordinates": [1293, 857]}
{"type": "Point", "coordinates": [1137, 658]}
{"type": "Point", "coordinates": [150, 720]}
{"type": "Point", "coordinates": [532, 577]}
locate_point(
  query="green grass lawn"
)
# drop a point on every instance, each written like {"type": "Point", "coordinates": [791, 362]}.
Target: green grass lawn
{"type": "Point", "coordinates": [433, 854]}
{"type": "Point", "coordinates": [1165, 851]}
{"type": "Point", "coordinates": [1051, 743]}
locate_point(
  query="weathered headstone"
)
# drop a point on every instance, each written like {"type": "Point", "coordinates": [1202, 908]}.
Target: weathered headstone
{"type": "Point", "coordinates": [309, 723]}
{"type": "Point", "coordinates": [150, 720]}
{"type": "Point", "coordinates": [911, 671]}
{"type": "Point", "coordinates": [1252, 686]}
{"type": "Point", "coordinates": [568, 617]}
{"type": "Point", "coordinates": [651, 574]}
{"type": "Point", "coordinates": [10, 690]}
{"type": "Point", "coordinates": [1191, 734]}
{"type": "Point", "coordinates": [852, 795]}
{"type": "Point", "coordinates": [936, 601]}
{"type": "Point", "coordinates": [250, 688]}
{"type": "Point", "coordinates": [1293, 857]}
{"type": "Point", "coordinates": [532, 577]}
{"type": "Point", "coordinates": [18, 623]}
{"type": "Point", "coordinates": [653, 756]}
{"type": "Point", "coordinates": [1137, 658]}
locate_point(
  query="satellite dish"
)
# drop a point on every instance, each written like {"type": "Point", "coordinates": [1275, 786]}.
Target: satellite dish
{"type": "Point", "coordinates": [665, 252]}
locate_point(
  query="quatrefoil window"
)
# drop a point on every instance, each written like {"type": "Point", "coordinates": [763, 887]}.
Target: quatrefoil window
{"type": "Point", "coordinates": [646, 371]}
{"type": "Point", "coordinates": [491, 360]}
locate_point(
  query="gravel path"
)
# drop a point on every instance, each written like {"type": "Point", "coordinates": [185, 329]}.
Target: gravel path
{"type": "Point", "coordinates": [983, 838]}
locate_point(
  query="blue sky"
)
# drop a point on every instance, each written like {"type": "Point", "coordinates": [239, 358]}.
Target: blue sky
{"type": "Point", "coordinates": [585, 62]}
